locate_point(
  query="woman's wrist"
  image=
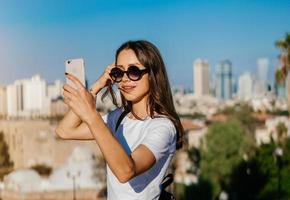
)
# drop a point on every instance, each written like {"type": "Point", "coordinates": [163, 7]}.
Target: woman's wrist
{"type": "Point", "coordinates": [93, 117]}
{"type": "Point", "coordinates": [96, 88]}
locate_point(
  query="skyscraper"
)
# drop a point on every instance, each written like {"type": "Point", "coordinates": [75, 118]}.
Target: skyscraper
{"type": "Point", "coordinates": [27, 97]}
{"type": "Point", "coordinates": [224, 80]}
{"type": "Point", "coordinates": [3, 100]}
{"type": "Point", "coordinates": [288, 89]}
{"type": "Point", "coordinates": [262, 70]}
{"type": "Point", "coordinates": [201, 78]}
{"type": "Point", "coordinates": [55, 90]}
{"type": "Point", "coordinates": [14, 101]}
{"type": "Point", "coordinates": [245, 87]}
{"type": "Point", "coordinates": [261, 80]}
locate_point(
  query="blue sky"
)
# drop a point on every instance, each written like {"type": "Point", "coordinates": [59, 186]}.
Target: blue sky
{"type": "Point", "coordinates": [37, 36]}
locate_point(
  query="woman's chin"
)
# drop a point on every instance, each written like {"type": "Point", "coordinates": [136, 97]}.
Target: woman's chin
{"type": "Point", "coordinates": [128, 97]}
{"type": "Point", "coordinates": [133, 97]}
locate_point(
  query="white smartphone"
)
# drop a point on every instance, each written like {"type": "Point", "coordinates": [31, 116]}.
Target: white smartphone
{"type": "Point", "coordinates": [75, 67]}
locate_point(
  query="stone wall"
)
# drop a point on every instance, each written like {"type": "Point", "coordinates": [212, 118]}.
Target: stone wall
{"type": "Point", "coordinates": [33, 142]}
{"type": "Point", "coordinates": [55, 195]}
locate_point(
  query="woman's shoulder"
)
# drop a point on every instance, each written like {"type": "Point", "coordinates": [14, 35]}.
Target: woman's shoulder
{"type": "Point", "coordinates": [161, 121]}
{"type": "Point", "coordinates": [113, 114]}
{"type": "Point", "coordinates": [159, 133]}
{"type": "Point", "coordinates": [116, 111]}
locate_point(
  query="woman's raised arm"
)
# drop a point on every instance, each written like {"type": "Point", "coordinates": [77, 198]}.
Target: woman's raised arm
{"type": "Point", "coordinates": [72, 127]}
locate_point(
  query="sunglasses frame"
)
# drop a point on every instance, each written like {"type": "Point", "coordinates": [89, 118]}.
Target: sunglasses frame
{"type": "Point", "coordinates": [141, 73]}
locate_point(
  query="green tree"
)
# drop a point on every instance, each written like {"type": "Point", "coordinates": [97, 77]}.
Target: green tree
{"type": "Point", "coordinates": [201, 191]}
{"type": "Point", "coordinates": [257, 178]}
{"type": "Point", "coordinates": [243, 113]}
{"type": "Point", "coordinates": [5, 163]}
{"type": "Point", "coordinates": [4, 156]}
{"type": "Point", "coordinates": [281, 130]}
{"type": "Point", "coordinates": [284, 45]}
{"type": "Point", "coordinates": [281, 74]}
{"type": "Point", "coordinates": [226, 145]}
{"type": "Point", "coordinates": [42, 169]}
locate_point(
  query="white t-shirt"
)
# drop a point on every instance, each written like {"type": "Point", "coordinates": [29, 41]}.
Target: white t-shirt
{"type": "Point", "coordinates": [159, 136]}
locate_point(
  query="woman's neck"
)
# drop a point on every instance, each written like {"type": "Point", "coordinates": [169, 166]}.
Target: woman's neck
{"type": "Point", "coordinates": [140, 109]}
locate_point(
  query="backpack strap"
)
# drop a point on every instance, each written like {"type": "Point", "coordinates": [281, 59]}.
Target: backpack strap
{"type": "Point", "coordinates": [124, 113]}
{"type": "Point", "coordinates": [167, 180]}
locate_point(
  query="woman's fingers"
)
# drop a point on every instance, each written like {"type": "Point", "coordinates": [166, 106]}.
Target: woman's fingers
{"type": "Point", "coordinates": [70, 89]}
{"type": "Point", "coordinates": [76, 81]}
{"type": "Point", "coordinates": [66, 101]}
{"type": "Point", "coordinates": [103, 80]}
{"type": "Point", "coordinates": [108, 70]}
{"type": "Point", "coordinates": [110, 67]}
{"type": "Point", "coordinates": [68, 96]}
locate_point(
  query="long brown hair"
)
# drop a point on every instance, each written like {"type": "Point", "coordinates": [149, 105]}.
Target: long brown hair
{"type": "Point", "coordinates": [160, 96]}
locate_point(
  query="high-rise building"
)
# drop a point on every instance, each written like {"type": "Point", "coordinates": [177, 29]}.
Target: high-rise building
{"type": "Point", "coordinates": [262, 70]}
{"type": "Point", "coordinates": [224, 80]}
{"type": "Point", "coordinates": [54, 91]}
{"type": "Point", "coordinates": [34, 94]}
{"type": "Point", "coordinates": [15, 99]}
{"type": "Point", "coordinates": [234, 86]}
{"type": "Point", "coordinates": [201, 76]}
{"type": "Point", "coordinates": [245, 87]}
{"type": "Point", "coordinates": [27, 98]}
{"type": "Point", "coordinates": [3, 101]}
{"type": "Point", "coordinates": [287, 88]}
{"type": "Point", "coordinates": [261, 80]}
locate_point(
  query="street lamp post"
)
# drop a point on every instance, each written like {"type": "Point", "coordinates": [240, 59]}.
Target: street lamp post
{"type": "Point", "coordinates": [73, 177]}
{"type": "Point", "coordinates": [279, 154]}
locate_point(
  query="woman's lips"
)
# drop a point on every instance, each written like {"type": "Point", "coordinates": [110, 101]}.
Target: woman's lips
{"type": "Point", "coordinates": [127, 88]}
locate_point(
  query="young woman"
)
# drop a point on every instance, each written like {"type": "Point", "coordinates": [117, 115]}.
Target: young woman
{"type": "Point", "coordinates": [139, 150]}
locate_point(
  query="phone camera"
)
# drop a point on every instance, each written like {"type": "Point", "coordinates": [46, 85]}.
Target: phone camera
{"type": "Point", "coordinates": [68, 62]}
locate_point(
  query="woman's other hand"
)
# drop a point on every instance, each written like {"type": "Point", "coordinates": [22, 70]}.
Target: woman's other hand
{"type": "Point", "coordinates": [103, 81]}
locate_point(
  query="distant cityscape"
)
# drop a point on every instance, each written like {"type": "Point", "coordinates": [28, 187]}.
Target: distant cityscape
{"type": "Point", "coordinates": [31, 108]}
{"type": "Point", "coordinates": [224, 86]}
{"type": "Point", "coordinates": [35, 98]}
{"type": "Point", "coordinates": [228, 63]}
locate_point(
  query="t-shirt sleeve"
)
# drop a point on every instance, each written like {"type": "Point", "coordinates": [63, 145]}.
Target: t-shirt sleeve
{"type": "Point", "coordinates": [105, 117]}
{"type": "Point", "coordinates": [160, 138]}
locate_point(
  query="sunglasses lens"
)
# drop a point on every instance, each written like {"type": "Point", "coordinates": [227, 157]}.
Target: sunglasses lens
{"type": "Point", "coordinates": [116, 74]}
{"type": "Point", "coordinates": [134, 73]}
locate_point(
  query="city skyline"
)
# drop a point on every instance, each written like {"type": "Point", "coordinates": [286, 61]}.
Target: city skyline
{"type": "Point", "coordinates": [36, 38]}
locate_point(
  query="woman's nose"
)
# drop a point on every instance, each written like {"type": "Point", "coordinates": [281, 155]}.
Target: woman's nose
{"type": "Point", "coordinates": [125, 78]}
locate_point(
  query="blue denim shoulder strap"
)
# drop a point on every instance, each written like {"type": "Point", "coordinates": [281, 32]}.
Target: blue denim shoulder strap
{"type": "Point", "coordinates": [121, 117]}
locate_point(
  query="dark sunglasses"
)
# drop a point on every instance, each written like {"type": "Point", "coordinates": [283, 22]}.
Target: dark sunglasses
{"type": "Point", "coordinates": [133, 73]}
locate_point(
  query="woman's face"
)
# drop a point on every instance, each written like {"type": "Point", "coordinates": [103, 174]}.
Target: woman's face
{"type": "Point", "coordinates": [133, 91]}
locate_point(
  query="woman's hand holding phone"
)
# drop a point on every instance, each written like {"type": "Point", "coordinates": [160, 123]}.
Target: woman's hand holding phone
{"type": "Point", "coordinates": [79, 99]}
{"type": "Point", "coordinates": [75, 67]}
